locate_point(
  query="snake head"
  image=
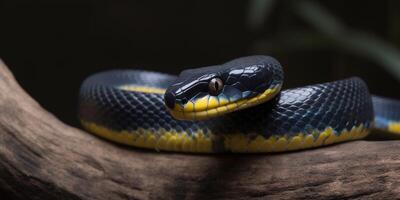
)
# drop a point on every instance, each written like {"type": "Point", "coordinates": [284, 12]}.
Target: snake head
{"type": "Point", "coordinates": [215, 90]}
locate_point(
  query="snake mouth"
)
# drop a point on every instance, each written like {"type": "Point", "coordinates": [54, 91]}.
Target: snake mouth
{"type": "Point", "coordinates": [213, 106]}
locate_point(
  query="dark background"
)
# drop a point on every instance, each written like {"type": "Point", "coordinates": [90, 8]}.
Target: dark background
{"type": "Point", "coordinates": [51, 46]}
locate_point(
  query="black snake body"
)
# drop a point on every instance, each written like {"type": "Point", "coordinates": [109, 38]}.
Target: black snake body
{"type": "Point", "coordinates": [128, 106]}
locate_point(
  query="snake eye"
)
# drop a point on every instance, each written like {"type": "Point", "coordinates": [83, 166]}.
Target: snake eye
{"type": "Point", "coordinates": [215, 86]}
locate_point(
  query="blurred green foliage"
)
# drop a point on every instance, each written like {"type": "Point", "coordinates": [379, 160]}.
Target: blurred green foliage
{"type": "Point", "coordinates": [327, 31]}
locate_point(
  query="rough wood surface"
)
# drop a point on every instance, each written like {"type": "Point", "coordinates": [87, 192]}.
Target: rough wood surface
{"type": "Point", "coordinates": [42, 158]}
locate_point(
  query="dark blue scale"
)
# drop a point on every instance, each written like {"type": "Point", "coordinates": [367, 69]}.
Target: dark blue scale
{"type": "Point", "coordinates": [341, 105]}
{"type": "Point", "coordinates": [102, 102]}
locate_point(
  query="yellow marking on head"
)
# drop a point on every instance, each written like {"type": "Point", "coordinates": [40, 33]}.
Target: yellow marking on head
{"type": "Point", "coordinates": [189, 107]}
{"type": "Point", "coordinates": [143, 89]}
{"type": "Point", "coordinates": [178, 108]}
{"type": "Point", "coordinates": [231, 106]}
{"type": "Point", "coordinates": [197, 115]}
{"type": "Point", "coordinates": [222, 109]}
{"type": "Point", "coordinates": [179, 114]}
{"type": "Point", "coordinates": [223, 101]}
{"type": "Point", "coordinates": [240, 102]}
{"type": "Point", "coordinates": [394, 127]}
{"type": "Point", "coordinates": [201, 104]}
{"type": "Point", "coordinates": [213, 102]}
{"type": "Point", "coordinates": [207, 106]}
{"type": "Point", "coordinates": [212, 112]}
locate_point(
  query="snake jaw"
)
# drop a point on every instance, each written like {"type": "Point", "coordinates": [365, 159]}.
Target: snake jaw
{"type": "Point", "coordinates": [212, 91]}
{"type": "Point", "coordinates": [213, 106]}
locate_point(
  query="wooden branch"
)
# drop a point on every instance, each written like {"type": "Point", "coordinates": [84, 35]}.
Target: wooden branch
{"type": "Point", "coordinates": [42, 158]}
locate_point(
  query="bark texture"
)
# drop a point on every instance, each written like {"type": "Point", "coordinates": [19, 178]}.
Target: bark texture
{"type": "Point", "coordinates": [42, 158]}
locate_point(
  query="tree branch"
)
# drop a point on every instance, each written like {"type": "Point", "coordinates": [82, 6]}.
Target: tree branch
{"type": "Point", "coordinates": [42, 158]}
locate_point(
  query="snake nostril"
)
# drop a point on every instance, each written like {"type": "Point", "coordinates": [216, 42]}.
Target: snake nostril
{"type": "Point", "coordinates": [169, 99]}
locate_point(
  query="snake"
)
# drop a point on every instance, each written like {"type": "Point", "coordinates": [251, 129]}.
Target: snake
{"type": "Point", "coordinates": [237, 106]}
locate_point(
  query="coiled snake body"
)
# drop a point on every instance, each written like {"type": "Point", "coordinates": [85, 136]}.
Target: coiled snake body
{"type": "Point", "coordinates": [233, 107]}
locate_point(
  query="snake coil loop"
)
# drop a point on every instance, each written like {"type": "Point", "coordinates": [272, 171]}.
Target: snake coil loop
{"type": "Point", "coordinates": [233, 107]}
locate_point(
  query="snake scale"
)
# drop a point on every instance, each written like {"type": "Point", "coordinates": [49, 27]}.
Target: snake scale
{"type": "Point", "coordinates": [237, 106]}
